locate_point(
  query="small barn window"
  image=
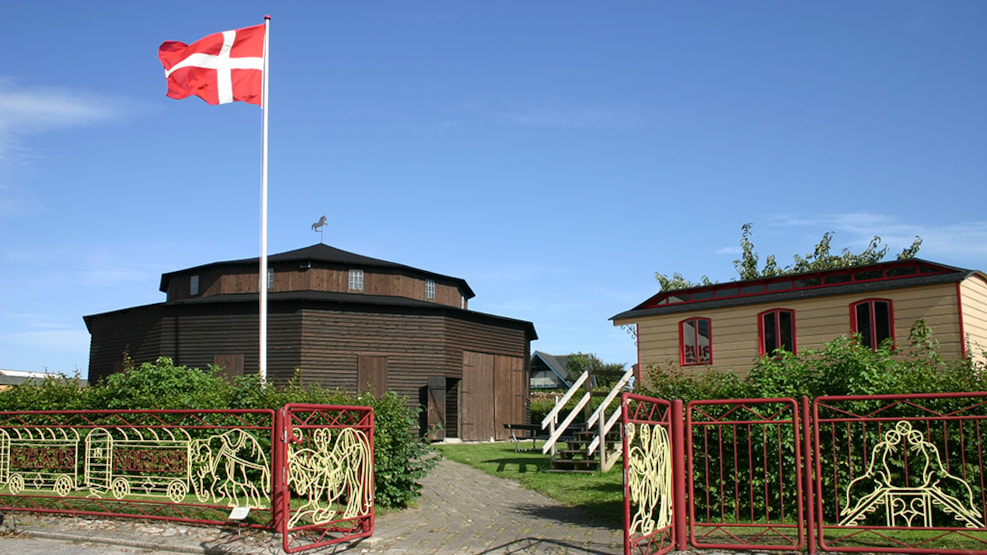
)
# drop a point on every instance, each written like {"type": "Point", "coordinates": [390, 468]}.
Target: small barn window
{"type": "Point", "coordinates": [429, 289]}
{"type": "Point", "coordinates": [696, 341]}
{"type": "Point", "coordinates": [193, 285]}
{"type": "Point", "coordinates": [356, 280]}
{"type": "Point", "coordinates": [270, 277]}
{"type": "Point", "coordinates": [873, 320]}
{"type": "Point", "coordinates": [776, 330]}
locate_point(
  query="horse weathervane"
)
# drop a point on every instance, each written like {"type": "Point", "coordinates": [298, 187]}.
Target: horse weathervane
{"type": "Point", "coordinates": [318, 226]}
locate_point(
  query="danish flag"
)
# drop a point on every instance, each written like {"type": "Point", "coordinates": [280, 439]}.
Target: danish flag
{"type": "Point", "coordinates": [219, 69]}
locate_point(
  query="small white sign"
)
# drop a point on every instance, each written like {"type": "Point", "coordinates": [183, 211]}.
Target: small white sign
{"type": "Point", "coordinates": [239, 513]}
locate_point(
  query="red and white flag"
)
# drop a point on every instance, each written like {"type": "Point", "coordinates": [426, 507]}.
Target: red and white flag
{"type": "Point", "coordinates": [219, 69]}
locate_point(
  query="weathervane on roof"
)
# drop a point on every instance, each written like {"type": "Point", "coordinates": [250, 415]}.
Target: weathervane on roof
{"type": "Point", "coordinates": [318, 226]}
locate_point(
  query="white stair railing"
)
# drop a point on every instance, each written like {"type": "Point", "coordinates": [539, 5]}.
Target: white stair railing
{"type": "Point", "coordinates": [604, 424]}
{"type": "Point", "coordinates": [551, 419]}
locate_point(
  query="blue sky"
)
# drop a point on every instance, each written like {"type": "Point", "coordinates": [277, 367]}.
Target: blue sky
{"type": "Point", "coordinates": [553, 154]}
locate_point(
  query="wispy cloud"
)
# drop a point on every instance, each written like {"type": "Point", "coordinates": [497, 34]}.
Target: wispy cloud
{"type": "Point", "coordinates": [35, 110]}
{"type": "Point", "coordinates": [960, 242]}
{"type": "Point", "coordinates": [53, 344]}
{"type": "Point", "coordinates": [921, 18]}
{"type": "Point", "coordinates": [570, 118]}
{"type": "Point", "coordinates": [559, 116]}
{"type": "Point", "coordinates": [95, 269]}
{"type": "Point", "coordinates": [26, 110]}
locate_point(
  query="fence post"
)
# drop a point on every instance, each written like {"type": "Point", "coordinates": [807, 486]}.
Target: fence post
{"type": "Point", "coordinates": [625, 463]}
{"type": "Point", "coordinates": [808, 476]}
{"type": "Point", "coordinates": [678, 476]}
{"type": "Point", "coordinates": [278, 472]}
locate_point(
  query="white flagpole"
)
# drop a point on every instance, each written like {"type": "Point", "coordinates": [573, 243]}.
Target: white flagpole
{"type": "Point", "coordinates": [263, 208]}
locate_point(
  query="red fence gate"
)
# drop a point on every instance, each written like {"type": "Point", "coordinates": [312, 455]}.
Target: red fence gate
{"type": "Point", "coordinates": [306, 470]}
{"type": "Point", "coordinates": [893, 474]}
{"type": "Point", "coordinates": [648, 471]}
{"type": "Point", "coordinates": [328, 485]}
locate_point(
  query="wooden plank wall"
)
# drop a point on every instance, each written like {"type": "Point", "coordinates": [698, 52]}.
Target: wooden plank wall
{"type": "Point", "coordinates": [195, 335]}
{"type": "Point", "coordinates": [231, 280]}
{"type": "Point", "coordinates": [413, 344]}
{"type": "Point", "coordinates": [328, 346]}
{"type": "Point", "coordinates": [137, 332]}
{"type": "Point", "coordinates": [974, 295]}
{"type": "Point", "coordinates": [372, 374]}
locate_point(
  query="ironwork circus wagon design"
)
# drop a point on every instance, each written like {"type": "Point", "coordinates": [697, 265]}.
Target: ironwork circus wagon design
{"type": "Point", "coordinates": [229, 468]}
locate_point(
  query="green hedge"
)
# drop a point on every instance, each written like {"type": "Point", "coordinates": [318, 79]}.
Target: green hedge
{"type": "Point", "coordinates": [542, 403]}
{"type": "Point", "coordinates": [841, 367]}
{"type": "Point", "coordinates": [401, 458]}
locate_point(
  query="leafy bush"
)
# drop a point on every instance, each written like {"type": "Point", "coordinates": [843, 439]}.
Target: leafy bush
{"type": "Point", "coordinates": [842, 366]}
{"type": "Point", "coordinates": [162, 385]}
{"type": "Point", "coordinates": [401, 458]}
{"type": "Point", "coordinates": [51, 393]}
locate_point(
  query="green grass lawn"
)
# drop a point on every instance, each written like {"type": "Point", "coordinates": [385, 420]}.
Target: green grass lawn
{"type": "Point", "coordinates": [600, 495]}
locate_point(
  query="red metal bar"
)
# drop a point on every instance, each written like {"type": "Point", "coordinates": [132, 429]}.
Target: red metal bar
{"type": "Point", "coordinates": [809, 489]}
{"type": "Point", "coordinates": [280, 472]}
{"type": "Point", "coordinates": [679, 534]}
{"type": "Point", "coordinates": [626, 449]}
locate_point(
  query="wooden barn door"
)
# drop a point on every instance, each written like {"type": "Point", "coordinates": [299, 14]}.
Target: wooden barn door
{"type": "Point", "coordinates": [372, 374]}
{"type": "Point", "coordinates": [435, 412]}
{"type": "Point", "coordinates": [493, 394]}
{"type": "Point", "coordinates": [477, 395]}
{"type": "Point", "coordinates": [510, 390]}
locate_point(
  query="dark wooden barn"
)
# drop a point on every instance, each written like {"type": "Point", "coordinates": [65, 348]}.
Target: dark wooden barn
{"type": "Point", "coordinates": [341, 320]}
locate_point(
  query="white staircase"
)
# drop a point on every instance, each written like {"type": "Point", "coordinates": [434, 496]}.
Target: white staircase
{"type": "Point", "coordinates": [593, 446]}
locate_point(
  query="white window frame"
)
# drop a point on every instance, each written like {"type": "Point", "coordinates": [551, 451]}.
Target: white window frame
{"type": "Point", "coordinates": [193, 285]}
{"type": "Point", "coordinates": [429, 289]}
{"type": "Point", "coordinates": [356, 280]}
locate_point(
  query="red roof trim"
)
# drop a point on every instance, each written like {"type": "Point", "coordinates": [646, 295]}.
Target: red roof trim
{"type": "Point", "coordinates": [885, 271]}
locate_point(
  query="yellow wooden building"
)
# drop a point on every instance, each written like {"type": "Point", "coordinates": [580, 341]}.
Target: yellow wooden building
{"type": "Point", "coordinates": [727, 326]}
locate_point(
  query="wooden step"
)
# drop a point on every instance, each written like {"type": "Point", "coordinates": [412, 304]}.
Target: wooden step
{"type": "Point", "coordinates": [574, 465]}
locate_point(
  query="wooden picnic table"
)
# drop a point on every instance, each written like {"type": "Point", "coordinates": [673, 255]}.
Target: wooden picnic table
{"type": "Point", "coordinates": [522, 432]}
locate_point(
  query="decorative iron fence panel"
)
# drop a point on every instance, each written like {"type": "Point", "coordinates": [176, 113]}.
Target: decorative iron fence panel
{"type": "Point", "coordinates": [305, 470]}
{"type": "Point", "coordinates": [171, 465]}
{"type": "Point", "coordinates": [881, 474]}
{"type": "Point", "coordinates": [647, 447]}
{"type": "Point", "coordinates": [901, 474]}
{"type": "Point", "coordinates": [328, 487]}
{"type": "Point", "coordinates": [744, 474]}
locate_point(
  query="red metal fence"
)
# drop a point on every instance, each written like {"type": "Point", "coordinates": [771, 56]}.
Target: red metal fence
{"type": "Point", "coordinates": [891, 474]}
{"type": "Point", "coordinates": [197, 467]}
